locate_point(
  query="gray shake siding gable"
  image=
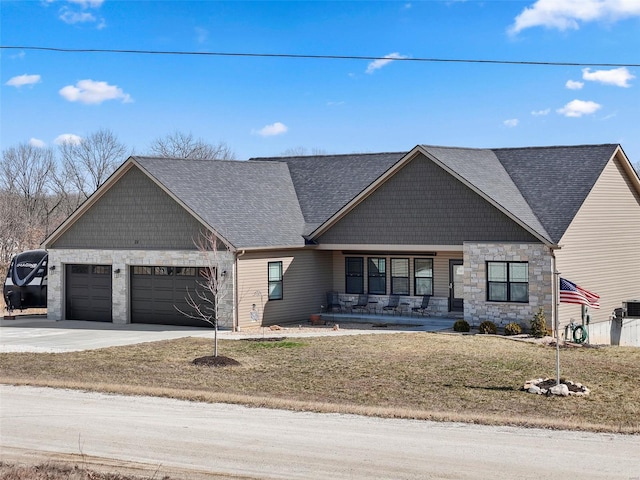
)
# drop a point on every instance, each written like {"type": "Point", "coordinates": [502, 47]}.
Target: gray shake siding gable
{"type": "Point", "coordinates": [134, 214]}
{"type": "Point", "coordinates": [423, 205]}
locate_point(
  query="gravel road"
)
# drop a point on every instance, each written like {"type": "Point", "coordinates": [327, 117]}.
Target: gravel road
{"type": "Point", "coordinates": [193, 440]}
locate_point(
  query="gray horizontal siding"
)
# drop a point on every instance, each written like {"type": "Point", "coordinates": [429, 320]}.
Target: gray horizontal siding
{"type": "Point", "coordinates": [424, 205]}
{"type": "Point", "coordinates": [134, 214]}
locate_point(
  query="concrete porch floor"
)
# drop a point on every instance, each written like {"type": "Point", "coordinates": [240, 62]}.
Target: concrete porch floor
{"type": "Point", "coordinates": [420, 322]}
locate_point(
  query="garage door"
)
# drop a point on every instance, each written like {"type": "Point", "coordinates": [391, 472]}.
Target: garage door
{"type": "Point", "coordinates": [88, 292]}
{"type": "Point", "coordinates": [158, 292]}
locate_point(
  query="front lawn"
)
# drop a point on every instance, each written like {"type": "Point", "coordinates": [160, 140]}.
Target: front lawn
{"type": "Point", "coordinates": [420, 375]}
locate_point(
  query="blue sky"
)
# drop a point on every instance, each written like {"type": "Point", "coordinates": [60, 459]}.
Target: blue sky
{"type": "Point", "coordinates": [263, 106]}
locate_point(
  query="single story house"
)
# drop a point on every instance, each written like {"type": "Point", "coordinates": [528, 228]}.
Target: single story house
{"type": "Point", "coordinates": [481, 230]}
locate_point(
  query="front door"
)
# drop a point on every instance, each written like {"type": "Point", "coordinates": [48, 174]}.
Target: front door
{"type": "Point", "coordinates": [456, 285]}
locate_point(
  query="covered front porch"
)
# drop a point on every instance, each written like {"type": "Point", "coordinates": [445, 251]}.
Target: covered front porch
{"type": "Point", "coordinates": [414, 323]}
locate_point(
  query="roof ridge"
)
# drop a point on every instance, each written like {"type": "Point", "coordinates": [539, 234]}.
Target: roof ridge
{"type": "Point", "coordinates": [539, 147]}
{"type": "Point", "coordinates": [205, 160]}
{"type": "Point", "coordinates": [403, 152]}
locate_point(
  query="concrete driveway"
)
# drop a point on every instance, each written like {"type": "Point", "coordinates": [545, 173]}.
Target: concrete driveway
{"type": "Point", "coordinates": [38, 334]}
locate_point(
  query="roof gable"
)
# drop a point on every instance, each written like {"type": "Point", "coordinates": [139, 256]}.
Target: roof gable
{"type": "Point", "coordinates": [250, 204]}
{"type": "Point", "coordinates": [555, 181]}
{"type": "Point", "coordinates": [482, 170]}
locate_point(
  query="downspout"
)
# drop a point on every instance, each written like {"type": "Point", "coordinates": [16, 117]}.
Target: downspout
{"type": "Point", "coordinates": [236, 318]}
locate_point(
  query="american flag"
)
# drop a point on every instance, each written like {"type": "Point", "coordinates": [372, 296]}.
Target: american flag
{"type": "Point", "coordinates": [572, 293]}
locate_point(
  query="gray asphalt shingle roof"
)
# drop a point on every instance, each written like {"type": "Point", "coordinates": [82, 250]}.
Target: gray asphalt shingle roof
{"type": "Point", "coordinates": [274, 202]}
{"type": "Point", "coordinates": [251, 204]}
{"type": "Point", "coordinates": [555, 181]}
{"type": "Point", "coordinates": [324, 184]}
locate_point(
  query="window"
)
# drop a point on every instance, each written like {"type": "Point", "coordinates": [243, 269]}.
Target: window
{"type": "Point", "coordinates": [508, 282]}
{"type": "Point", "coordinates": [275, 280]}
{"type": "Point", "coordinates": [142, 270]}
{"type": "Point", "coordinates": [163, 271]}
{"type": "Point", "coordinates": [400, 276]}
{"type": "Point", "coordinates": [354, 270]}
{"type": "Point", "coordinates": [186, 271]}
{"type": "Point", "coordinates": [423, 276]}
{"type": "Point", "coordinates": [377, 272]}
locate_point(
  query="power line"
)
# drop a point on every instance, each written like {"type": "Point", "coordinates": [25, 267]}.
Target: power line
{"type": "Point", "coordinates": [321, 57]}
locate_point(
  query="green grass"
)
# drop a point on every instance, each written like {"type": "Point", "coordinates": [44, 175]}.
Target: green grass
{"type": "Point", "coordinates": [471, 378]}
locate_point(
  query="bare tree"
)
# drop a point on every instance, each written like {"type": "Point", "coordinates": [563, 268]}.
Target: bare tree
{"type": "Point", "coordinates": [27, 171]}
{"type": "Point", "coordinates": [303, 152]}
{"type": "Point", "coordinates": [184, 145]}
{"type": "Point", "coordinates": [214, 286]}
{"type": "Point", "coordinates": [87, 164]}
{"type": "Point", "coordinates": [26, 200]}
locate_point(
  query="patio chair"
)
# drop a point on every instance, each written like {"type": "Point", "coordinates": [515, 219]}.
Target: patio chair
{"type": "Point", "coordinates": [333, 301]}
{"type": "Point", "coordinates": [394, 303]}
{"type": "Point", "coordinates": [422, 309]}
{"type": "Point", "coordinates": [362, 305]}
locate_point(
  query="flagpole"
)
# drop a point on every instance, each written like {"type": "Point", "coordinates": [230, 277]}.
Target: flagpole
{"type": "Point", "coordinates": [556, 321]}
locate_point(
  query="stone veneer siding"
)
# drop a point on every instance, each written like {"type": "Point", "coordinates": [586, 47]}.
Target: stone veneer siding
{"type": "Point", "coordinates": [476, 307]}
{"type": "Point", "coordinates": [123, 260]}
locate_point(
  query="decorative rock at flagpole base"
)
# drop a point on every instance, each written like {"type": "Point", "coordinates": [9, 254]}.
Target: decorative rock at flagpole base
{"type": "Point", "coordinates": [548, 387]}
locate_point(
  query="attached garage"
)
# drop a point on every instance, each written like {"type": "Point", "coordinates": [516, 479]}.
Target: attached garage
{"type": "Point", "coordinates": [159, 294]}
{"type": "Point", "coordinates": [88, 292]}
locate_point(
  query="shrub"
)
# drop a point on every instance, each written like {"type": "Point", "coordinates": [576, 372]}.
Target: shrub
{"type": "Point", "coordinates": [461, 326]}
{"type": "Point", "coordinates": [539, 324]}
{"type": "Point", "coordinates": [488, 327]}
{"type": "Point", "coordinates": [512, 329]}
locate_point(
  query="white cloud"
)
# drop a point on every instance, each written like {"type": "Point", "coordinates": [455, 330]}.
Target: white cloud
{"type": "Point", "coordinates": [71, 17]}
{"type": "Point", "coordinates": [511, 123]}
{"type": "Point", "coordinates": [202, 34]}
{"type": "Point", "coordinates": [574, 85]}
{"type": "Point", "coordinates": [93, 92]}
{"type": "Point", "coordinates": [77, 11]}
{"type": "Point", "coordinates": [541, 113]}
{"type": "Point", "coordinates": [381, 62]}
{"type": "Point", "coordinates": [87, 3]}
{"type": "Point", "coordinates": [36, 142]}
{"type": "Point", "coordinates": [568, 14]}
{"type": "Point", "coordinates": [578, 108]}
{"type": "Point", "coordinates": [271, 130]}
{"type": "Point", "coordinates": [22, 80]}
{"type": "Point", "coordinates": [67, 138]}
{"type": "Point", "coordinates": [618, 76]}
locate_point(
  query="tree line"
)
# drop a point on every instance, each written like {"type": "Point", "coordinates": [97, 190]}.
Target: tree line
{"type": "Point", "coordinates": [41, 187]}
